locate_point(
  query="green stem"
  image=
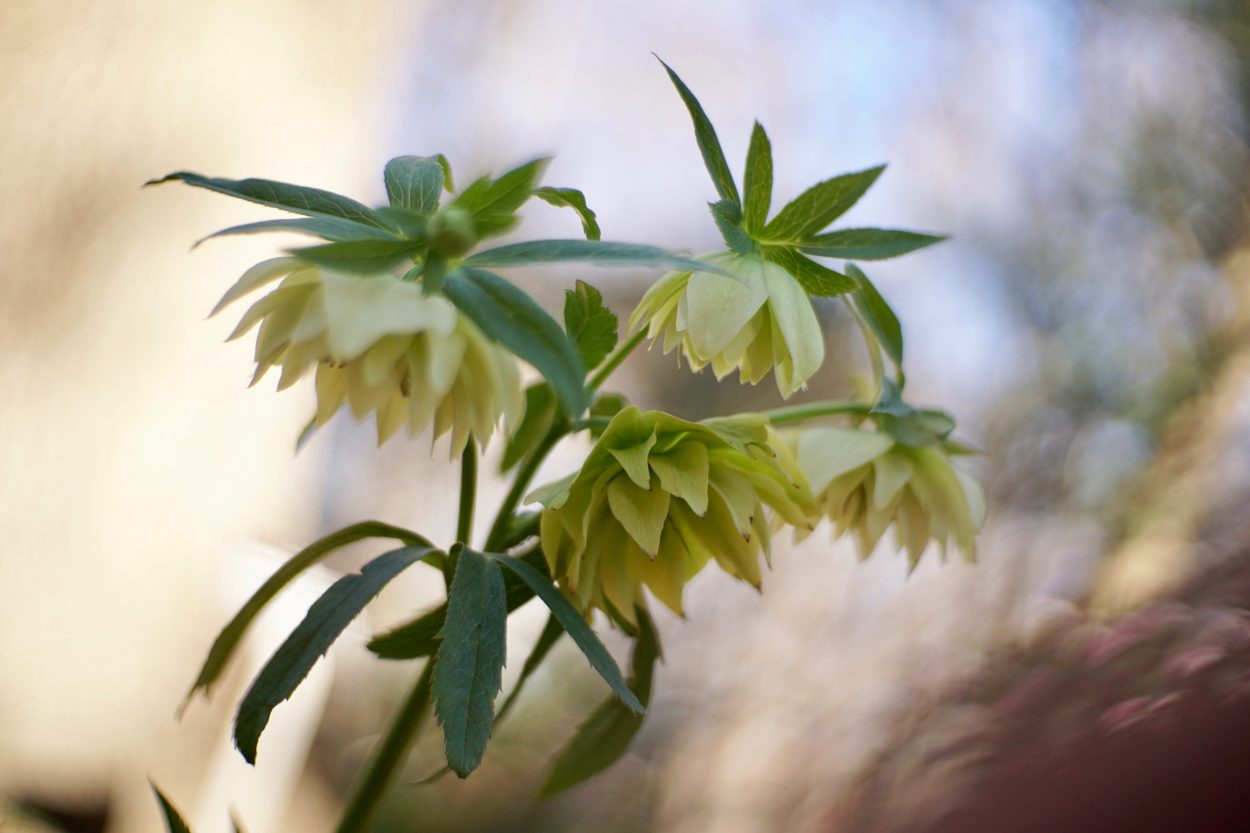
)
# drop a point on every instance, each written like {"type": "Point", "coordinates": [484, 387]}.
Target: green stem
{"type": "Point", "coordinates": [812, 410]}
{"type": "Point", "coordinates": [618, 355]}
{"type": "Point", "coordinates": [524, 475]}
{"type": "Point", "coordinates": [468, 490]}
{"type": "Point", "coordinates": [388, 756]}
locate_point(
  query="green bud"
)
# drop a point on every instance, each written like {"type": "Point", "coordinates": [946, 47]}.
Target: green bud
{"type": "Point", "coordinates": [451, 232]}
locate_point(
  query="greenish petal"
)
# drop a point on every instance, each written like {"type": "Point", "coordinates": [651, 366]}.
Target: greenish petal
{"type": "Point", "coordinates": [683, 472]}
{"type": "Point", "coordinates": [719, 307]}
{"type": "Point", "coordinates": [826, 453]}
{"type": "Point", "coordinates": [891, 473]}
{"type": "Point", "coordinates": [640, 511]}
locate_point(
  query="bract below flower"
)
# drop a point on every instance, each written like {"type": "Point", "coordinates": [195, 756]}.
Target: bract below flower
{"type": "Point", "coordinates": [659, 497]}
{"type": "Point", "coordinates": [381, 346]}
{"type": "Point", "coordinates": [762, 321]}
{"type": "Point", "coordinates": [866, 481]}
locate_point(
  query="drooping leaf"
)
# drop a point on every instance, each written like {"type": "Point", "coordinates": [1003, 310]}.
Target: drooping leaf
{"type": "Point", "coordinates": [468, 670]}
{"type": "Point", "coordinates": [817, 280]}
{"type": "Point", "coordinates": [541, 409]}
{"type": "Point", "coordinates": [576, 200]}
{"type": "Point", "coordinates": [728, 219]}
{"type": "Point", "coordinates": [576, 628]}
{"type": "Point", "coordinates": [705, 135]}
{"type": "Point", "coordinates": [819, 206]}
{"type": "Point", "coordinates": [757, 183]}
{"type": "Point", "coordinates": [607, 734]}
{"type": "Point", "coordinates": [550, 635]}
{"type": "Point", "coordinates": [415, 183]}
{"type": "Point", "coordinates": [232, 634]}
{"type": "Point", "coordinates": [877, 314]}
{"type": "Point", "coordinates": [596, 252]}
{"type": "Point", "coordinates": [361, 256]}
{"type": "Point", "coordinates": [174, 822]}
{"type": "Point", "coordinates": [867, 243]}
{"type": "Point", "coordinates": [312, 637]}
{"type": "Point", "coordinates": [298, 199]}
{"type": "Point", "coordinates": [327, 228]}
{"type": "Point", "coordinates": [511, 317]}
{"type": "Point", "coordinates": [590, 324]}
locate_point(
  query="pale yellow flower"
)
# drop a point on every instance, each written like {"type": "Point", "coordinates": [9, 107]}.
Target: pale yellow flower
{"type": "Point", "coordinates": [865, 482]}
{"type": "Point", "coordinates": [380, 346]}
{"type": "Point", "coordinates": [762, 321]}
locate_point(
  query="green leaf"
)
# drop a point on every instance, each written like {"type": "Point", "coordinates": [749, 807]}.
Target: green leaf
{"type": "Point", "coordinates": [867, 243]}
{"type": "Point", "coordinates": [493, 202]}
{"type": "Point", "coordinates": [232, 634]}
{"type": "Point", "coordinates": [575, 626]}
{"type": "Point", "coordinates": [449, 184]}
{"type": "Point", "coordinates": [817, 280]}
{"type": "Point", "coordinates": [540, 412]}
{"type": "Point", "coordinates": [360, 256]}
{"type": "Point", "coordinates": [819, 206]}
{"type": "Point", "coordinates": [468, 670]}
{"type": "Point", "coordinates": [323, 624]}
{"type": "Point", "coordinates": [236, 824]}
{"type": "Point", "coordinates": [590, 324]}
{"type": "Point", "coordinates": [597, 252]}
{"type": "Point", "coordinates": [409, 223]}
{"type": "Point", "coordinates": [757, 183]}
{"type": "Point", "coordinates": [550, 635]}
{"type": "Point", "coordinates": [512, 318]}
{"type": "Point", "coordinates": [298, 199]}
{"type": "Point", "coordinates": [878, 315]}
{"type": "Point", "coordinates": [415, 183]}
{"type": "Point", "coordinates": [576, 200]}
{"type": "Point", "coordinates": [606, 735]}
{"type": "Point", "coordinates": [728, 218]}
{"type": "Point", "coordinates": [705, 135]}
{"type": "Point", "coordinates": [327, 228]}
{"type": "Point", "coordinates": [173, 819]}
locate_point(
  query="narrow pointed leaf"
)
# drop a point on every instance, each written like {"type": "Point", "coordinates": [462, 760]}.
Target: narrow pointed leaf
{"type": "Point", "coordinates": [878, 315]}
{"type": "Point", "coordinates": [323, 624]}
{"type": "Point", "coordinates": [757, 184]}
{"type": "Point", "coordinates": [576, 628]}
{"type": "Point", "coordinates": [867, 243]}
{"type": "Point", "coordinates": [173, 819]}
{"type": "Point", "coordinates": [576, 200]}
{"type": "Point", "coordinates": [728, 219]}
{"type": "Point", "coordinates": [541, 410]}
{"type": "Point", "coordinates": [232, 634]}
{"type": "Point", "coordinates": [817, 280]}
{"type": "Point", "coordinates": [595, 252]}
{"type": "Point", "coordinates": [547, 640]}
{"type": "Point", "coordinates": [709, 145]}
{"type": "Point", "coordinates": [512, 318]}
{"type": "Point", "coordinates": [298, 199]}
{"type": "Point", "coordinates": [327, 228]}
{"type": "Point", "coordinates": [606, 735]}
{"type": "Point", "coordinates": [362, 256]}
{"type": "Point", "coordinates": [820, 205]}
{"type": "Point", "coordinates": [493, 202]}
{"type": "Point", "coordinates": [468, 670]}
{"type": "Point", "coordinates": [414, 183]}
{"type": "Point", "coordinates": [590, 324]}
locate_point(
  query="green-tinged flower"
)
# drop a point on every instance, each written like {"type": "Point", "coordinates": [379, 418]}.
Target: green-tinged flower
{"type": "Point", "coordinates": [866, 481]}
{"type": "Point", "coordinates": [381, 346]}
{"type": "Point", "coordinates": [762, 321]}
{"type": "Point", "coordinates": [657, 498]}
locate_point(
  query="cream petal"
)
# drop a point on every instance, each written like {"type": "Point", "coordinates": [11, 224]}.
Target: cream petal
{"type": "Point", "coordinates": [796, 323]}
{"type": "Point", "coordinates": [265, 272]}
{"type": "Point", "coordinates": [826, 453]}
{"type": "Point", "coordinates": [359, 311]}
{"type": "Point", "coordinates": [718, 307]}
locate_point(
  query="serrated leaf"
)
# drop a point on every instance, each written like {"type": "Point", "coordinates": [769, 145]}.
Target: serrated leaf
{"type": "Point", "coordinates": [575, 626]}
{"type": "Point", "coordinates": [596, 252]}
{"type": "Point", "coordinates": [547, 640]}
{"type": "Point", "coordinates": [576, 200]}
{"type": "Point", "coordinates": [705, 136]}
{"type": "Point", "coordinates": [540, 412]}
{"type": "Point", "coordinates": [512, 318]}
{"type": "Point", "coordinates": [590, 324]}
{"type": "Point", "coordinates": [728, 218]}
{"type": "Point", "coordinates": [174, 822]}
{"type": "Point", "coordinates": [607, 734]}
{"type": "Point", "coordinates": [232, 634]}
{"type": "Point", "coordinates": [360, 256]}
{"type": "Point", "coordinates": [819, 206]}
{"type": "Point", "coordinates": [817, 280]}
{"type": "Point", "coordinates": [878, 315]}
{"type": "Point", "coordinates": [493, 202]}
{"type": "Point", "coordinates": [468, 670]}
{"type": "Point", "coordinates": [757, 183]}
{"type": "Point", "coordinates": [327, 228]}
{"type": "Point", "coordinates": [323, 624]}
{"type": "Point", "coordinates": [867, 243]}
{"type": "Point", "coordinates": [414, 183]}
{"type": "Point", "coordinates": [298, 199]}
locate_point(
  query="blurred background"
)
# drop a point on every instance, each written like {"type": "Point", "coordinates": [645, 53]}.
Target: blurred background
{"type": "Point", "coordinates": [1087, 323]}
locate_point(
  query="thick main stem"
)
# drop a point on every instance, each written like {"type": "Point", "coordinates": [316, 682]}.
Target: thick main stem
{"type": "Point", "coordinates": [812, 410]}
{"type": "Point", "coordinates": [387, 757]}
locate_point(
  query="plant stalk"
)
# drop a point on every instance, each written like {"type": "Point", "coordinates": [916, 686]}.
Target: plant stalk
{"type": "Point", "coordinates": [618, 355]}
{"type": "Point", "coordinates": [812, 410]}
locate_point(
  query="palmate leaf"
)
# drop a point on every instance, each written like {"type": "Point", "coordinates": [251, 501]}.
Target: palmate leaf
{"type": "Point", "coordinates": [468, 670]}
{"type": "Point", "coordinates": [705, 136]}
{"type": "Point", "coordinates": [232, 634]}
{"type": "Point", "coordinates": [323, 624]}
{"type": "Point", "coordinates": [493, 202]}
{"type": "Point", "coordinates": [728, 219]}
{"type": "Point", "coordinates": [867, 243]}
{"type": "Point", "coordinates": [590, 324]}
{"type": "Point", "coordinates": [415, 183]}
{"type": "Point", "coordinates": [757, 184]}
{"type": "Point", "coordinates": [817, 280]}
{"type": "Point", "coordinates": [576, 200]}
{"type": "Point", "coordinates": [819, 206]}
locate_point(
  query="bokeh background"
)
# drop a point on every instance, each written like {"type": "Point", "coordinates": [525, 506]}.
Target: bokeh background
{"type": "Point", "coordinates": [1087, 323]}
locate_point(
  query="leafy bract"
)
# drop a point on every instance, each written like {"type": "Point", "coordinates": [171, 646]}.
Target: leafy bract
{"type": "Point", "coordinates": [728, 219]}
{"type": "Point", "coordinates": [817, 280]}
{"type": "Point", "coordinates": [819, 206]}
{"type": "Point", "coordinates": [878, 315]}
{"type": "Point", "coordinates": [576, 200]}
{"type": "Point", "coordinates": [590, 324]}
{"type": "Point", "coordinates": [595, 252]}
{"type": "Point", "coordinates": [361, 256]}
{"type": "Point", "coordinates": [327, 228]}
{"type": "Point", "coordinates": [757, 184]}
{"type": "Point", "coordinates": [415, 183]}
{"type": "Point", "coordinates": [867, 243]}
{"type": "Point", "coordinates": [709, 145]}
{"type": "Point", "coordinates": [298, 199]}
{"type": "Point", "coordinates": [174, 822]}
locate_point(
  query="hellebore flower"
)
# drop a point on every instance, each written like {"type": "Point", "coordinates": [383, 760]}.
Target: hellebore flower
{"type": "Point", "coordinates": [762, 321]}
{"type": "Point", "coordinates": [381, 346]}
{"type": "Point", "coordinates": [657, 498]}
{"type": "Point", "coordinates": [865, 482]}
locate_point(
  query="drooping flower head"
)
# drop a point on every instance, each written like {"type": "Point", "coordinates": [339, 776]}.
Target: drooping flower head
{"type": "Point", "coordinates": [382, 346]}
{"type": "Point", "coordinates": [659, 497]}
{"type": "Point", "coordinates": [867, 481]}
{"type": "Point", "coordinates": [760, 322]}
